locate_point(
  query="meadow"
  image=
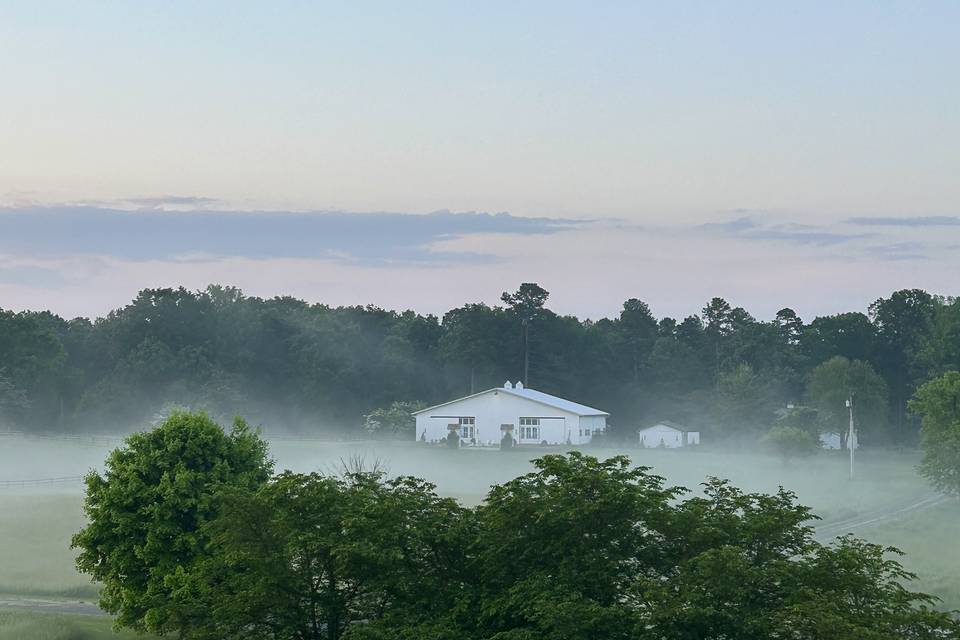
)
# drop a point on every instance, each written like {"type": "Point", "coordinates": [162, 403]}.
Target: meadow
{"type": "Point", "coordinates": [26, 625]}
{"type": "Point", "coordinates": [37, 522]}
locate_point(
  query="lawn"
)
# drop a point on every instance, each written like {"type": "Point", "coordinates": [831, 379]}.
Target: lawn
{"type": "Point", "coordinates": [26, 625]}
{"type": "Point", "coordinates": [930, 540]}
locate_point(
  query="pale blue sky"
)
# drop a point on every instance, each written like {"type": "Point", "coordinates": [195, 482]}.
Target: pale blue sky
{"type": "Point", "coordinates": [628, 114]}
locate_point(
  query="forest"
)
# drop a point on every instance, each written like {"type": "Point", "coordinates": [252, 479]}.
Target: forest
{"type": "Point", "coordinates": [315, 369]}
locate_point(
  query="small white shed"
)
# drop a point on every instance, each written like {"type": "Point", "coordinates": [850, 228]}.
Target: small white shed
{"type": "Point", "coordinates": [834, 441]}
{"type": "Point", "coordinates": [532, 417]}
{"type": "Point", "coordinates": [668, 435]}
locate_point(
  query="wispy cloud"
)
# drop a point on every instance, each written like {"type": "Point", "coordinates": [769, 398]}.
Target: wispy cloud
{"type": "Point", "coordinates": [750, 228]}
{"type": "Point", "coordinates": [159, 234]}
{"type": "Point", "coordinates": [160, 202]}
{"type": "Point", "coordinates": [906, 221]}
{"type": "Point", "coordinates": [898, 251]}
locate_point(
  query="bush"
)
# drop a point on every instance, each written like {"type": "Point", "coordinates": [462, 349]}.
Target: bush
{"type": "Point", "coordinates": [791, 442]}
{"type": "Point", "coordinates": [395, 421]}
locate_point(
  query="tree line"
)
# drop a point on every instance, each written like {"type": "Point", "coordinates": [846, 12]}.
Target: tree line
{"type": "Point", "coordinates": [190, 533]}
{"type": "Point", "coordinates": [312, 367]}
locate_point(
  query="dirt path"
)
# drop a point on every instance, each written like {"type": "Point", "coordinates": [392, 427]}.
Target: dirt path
{"type": "Point", "coordinates": [891, 513]}
{"type": "Point", "coordinates": [50, 606]}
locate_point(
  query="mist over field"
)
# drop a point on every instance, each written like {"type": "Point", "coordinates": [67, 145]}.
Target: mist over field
{"type": "Point", "coordinates": [887, 502]}
{"type": "Point", "coordinates": [479, 321]}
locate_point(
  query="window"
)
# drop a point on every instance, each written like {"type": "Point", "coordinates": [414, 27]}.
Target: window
{"type": "Point", "coordinates": [530, 428]}
{"type": "Point", "coordinates": [529, 433]}
{"type": "Point", "coordinates": [586, 433]}
{"type": "Point", "coordinates": [468, 430]}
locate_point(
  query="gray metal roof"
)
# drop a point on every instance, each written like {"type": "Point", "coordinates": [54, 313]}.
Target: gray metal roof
{"type": "Point", "coordinates": [536, 396]}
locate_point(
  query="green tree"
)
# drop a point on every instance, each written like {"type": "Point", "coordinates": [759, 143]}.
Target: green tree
{"type": "Point", "coordinates": [850, 335]}
{"type": "Point", "coordinates": [556, 548]}
{"type": "Point", "coordinates": [748, 568]}
{"type": "Point", "coordinates": [395, 421]}
{"type": "Point", "coordinates": [13, 401]}
{"type": "Point", "coordinates": [744, 405]}
{"type": "Point", "coordinates": [526, 303]}
{"type": "Point", "coordinates": [801, 417]}
{"type": "Point", "coordinates": [146, 512]}
{"type": "Point", "coordinates": [638, 329]}
{"type": "Point", "coordinates": [937, 402]}
{"type": "Point", "coordinates": [471, 341]}
{"type": "Point", "coordinates": [307, 556]}
{"type": "Point", "coordinates": [904, 322]}
{"type": "Point", "coordinates": [791, 442]}
{"type": "Point", "coordinates": [833, 382]}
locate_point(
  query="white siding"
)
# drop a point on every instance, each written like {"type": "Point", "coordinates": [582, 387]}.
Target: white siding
{"type": "Point", "coordinates": [494, 408]}
{"type": "Point", "coordinates": [663, 436]}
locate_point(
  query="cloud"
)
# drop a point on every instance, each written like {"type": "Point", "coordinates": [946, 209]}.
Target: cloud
{"type": "Point", "coordinates": [153, 234]}
{"type": "Point", "coordinates": [749, 228]}
{"type": "Point", "coordinates": [161, 202]}
{"type": "Point", "coordinates": [898, 251]}
{"type": "Point", "coordinates": [738, 225]}
{"type": "Point", "coordinates": [907, 221]}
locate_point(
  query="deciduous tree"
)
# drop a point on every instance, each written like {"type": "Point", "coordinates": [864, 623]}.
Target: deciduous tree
{"type": "Point", "coordinates": [937, 402]}
{"type": "Point", "coordinates": [147, 510]}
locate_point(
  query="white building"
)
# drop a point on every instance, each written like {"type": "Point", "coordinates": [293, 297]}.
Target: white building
{"type": "Point", "coordinates": [831, 440]}
{"type": "Point", "coordinates": [667, 434]}
{"type": "Point", "coordinates": [532, 417]}
{"type": "Point", "coordinates": [834, 441]}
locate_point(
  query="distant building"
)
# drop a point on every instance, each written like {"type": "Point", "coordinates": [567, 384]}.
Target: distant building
{"type": "Point", "coordinates": [832, 440]}
{"type": "Point", "coordinates": [667, 434]}
{"type": "Point", "coordinates": [530, 416]}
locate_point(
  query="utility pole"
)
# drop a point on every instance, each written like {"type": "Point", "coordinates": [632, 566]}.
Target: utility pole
{"type": "Point", "coordinates": [526, 352]}
{"type": "Point", "coordinates": [851, 434]}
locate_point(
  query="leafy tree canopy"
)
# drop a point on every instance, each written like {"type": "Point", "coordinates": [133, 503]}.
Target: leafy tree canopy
{"type": "Point", "coordinates": [938, 404]}
{"type": "Point", "coordinates": [146, 512]}
{"type": "Point", "coordinates": [579, 549]}
{"type": "Point", "coordinates": [835, 381]}
{"type": "Point", "coordinates": [308, 367]}
{"type": "Point", "coordinates": [395, 421]}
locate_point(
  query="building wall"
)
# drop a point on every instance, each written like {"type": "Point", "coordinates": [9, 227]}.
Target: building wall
{"type": "Point", "coordinates": [661, 435]}
{"type": "Point", "coordinates": [495, 408]}
{"type": "Point", "coordinates": [590, 425]}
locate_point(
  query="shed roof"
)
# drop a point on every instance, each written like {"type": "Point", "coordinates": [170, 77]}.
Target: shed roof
{"type": "Point", "coordinates": [668, 424]}
{"type": "Point", "coordinates": [534, 395]}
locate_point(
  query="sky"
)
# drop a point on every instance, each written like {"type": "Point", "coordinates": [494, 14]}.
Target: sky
{"type": "Point", "coordinates": [424, 155]}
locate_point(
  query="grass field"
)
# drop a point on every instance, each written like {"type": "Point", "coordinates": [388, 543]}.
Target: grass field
{"type": "Point", "coordinates": [36, 525]}
{"type": "Point", "coordinates": [22, 625]}
{"type": "Point", "coordinates": [930, 540]}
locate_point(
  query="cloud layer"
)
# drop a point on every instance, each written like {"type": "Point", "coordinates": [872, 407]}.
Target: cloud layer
{"type": "Point", "coordinates": [86, 260]}
{"type": "Point", "coordinates": [369, 238]}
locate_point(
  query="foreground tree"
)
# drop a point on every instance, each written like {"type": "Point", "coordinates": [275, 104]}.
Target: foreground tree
{"type": "Point", "coordinates": [579, 549]}
{"type": "Point", "coordinates": [937, 402]}
{"type": "Point", "coordinates": [557, 549]}
{"type": "Point", "coordinates": [308, 556]}
{"type": "Point", "coordinates": [147, 510]}
{"type": "Point", "coordinates": [748, 568]}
